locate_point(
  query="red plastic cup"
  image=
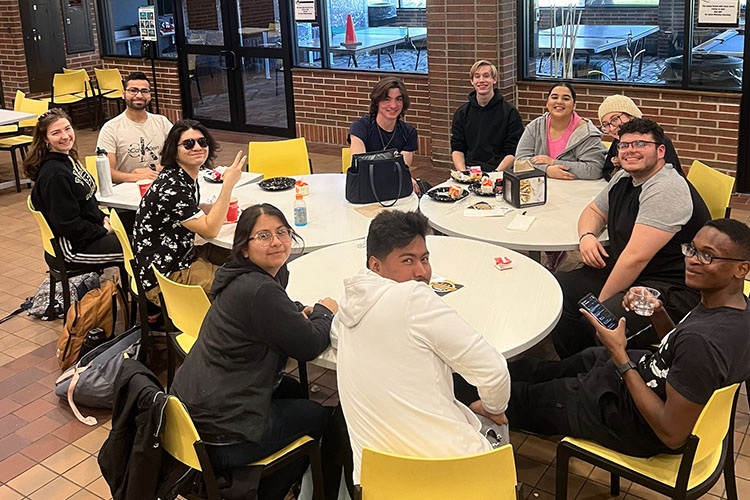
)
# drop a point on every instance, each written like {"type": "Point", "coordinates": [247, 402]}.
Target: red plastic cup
{"type": "Point", "coordinates": [233, 213]}
{"type": "Point", "coordinates": [143, 185]}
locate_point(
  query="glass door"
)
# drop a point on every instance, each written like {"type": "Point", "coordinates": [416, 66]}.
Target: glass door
{"type": "Point", "coordinates": [235, 64]}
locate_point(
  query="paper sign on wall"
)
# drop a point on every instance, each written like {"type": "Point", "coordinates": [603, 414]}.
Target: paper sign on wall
{"type": "Point", "coordinates": [304, 10]}
{"type": "Point", "coordinates": [147, 23]}
{"type": "Point", "coordinates": [719, 12]}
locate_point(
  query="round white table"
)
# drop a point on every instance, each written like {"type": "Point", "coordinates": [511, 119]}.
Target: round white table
{"type": "Point", "coordinates": [512, 309]}
{"type": "Point", "coordinates": [555, 226]}
{"type": "Point", "coordinates": [330, 218]}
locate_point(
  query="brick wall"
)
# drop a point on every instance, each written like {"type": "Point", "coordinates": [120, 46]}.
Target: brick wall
{"type": "Point", "coordinates": [12, 55]}
{"type": "Point", "coordinates": [202, 15]}
{"type": "Point", "coordinates": [256, 14]}
{"type": "Point", "coordinates": [703, 126]}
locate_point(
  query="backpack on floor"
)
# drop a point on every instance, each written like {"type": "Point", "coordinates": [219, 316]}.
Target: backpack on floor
{"type": "Point", "coordinates": [98, 308]}
{"type": "Point", "coordinates": [78, 286]}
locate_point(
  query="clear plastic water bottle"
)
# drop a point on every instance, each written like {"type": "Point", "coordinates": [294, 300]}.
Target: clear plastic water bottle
{"type": "Point", "coordinates": [103, 172]}
{"type": "Point", "coordinates": [300, 211]}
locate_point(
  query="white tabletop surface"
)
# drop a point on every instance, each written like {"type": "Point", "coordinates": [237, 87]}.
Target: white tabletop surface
{"type": "Point", "coordinates": [126, 195]}
{"type": "Point", "coordinates": [8, 116]}
{"type": "Point", "coordinates": [555, 226]}
{"type": "Point", "coordinates": [512, 309]}
{"type": "Point", "coordinates": [330, 218]}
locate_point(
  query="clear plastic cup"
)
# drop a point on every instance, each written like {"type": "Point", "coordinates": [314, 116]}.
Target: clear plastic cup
{"type": "Point", "coordinates": [643, 300]}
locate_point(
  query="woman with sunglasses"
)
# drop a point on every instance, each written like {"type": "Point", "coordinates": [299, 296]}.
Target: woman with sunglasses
{"type": "Point", "coordinates": [232, 381]}
{"type": "Point", "coordinates": [64, 192]}
{"type": "Point", "coordinates": [170, 215]}
{"type": "Point", "coordinates": [613, 112]}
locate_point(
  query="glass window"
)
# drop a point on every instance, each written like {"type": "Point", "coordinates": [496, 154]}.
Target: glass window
{"type": "Point", "coordinates": [119, 28]}
{"type": "Point", "coordinates": [388, 35]}
{"type": "Point", "coordinates": [717, 55]}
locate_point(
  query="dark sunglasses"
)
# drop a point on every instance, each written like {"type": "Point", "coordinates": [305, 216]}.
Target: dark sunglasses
{"type": "Point", "coordinates": [190, 143]}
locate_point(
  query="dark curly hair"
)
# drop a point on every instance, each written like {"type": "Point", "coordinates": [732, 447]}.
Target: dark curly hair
{"type": "Point", "coordinates": [643, 126]}
{"type": "Point", "coordinates": [380, 92]}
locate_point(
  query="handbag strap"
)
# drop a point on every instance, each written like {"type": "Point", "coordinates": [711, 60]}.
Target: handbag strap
{"type": "Point", "coordinates": [375, 191]}
{"type": "Point", "coordinates": [90, 420]}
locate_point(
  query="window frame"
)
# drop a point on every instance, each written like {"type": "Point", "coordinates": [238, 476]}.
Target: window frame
{"type": "Point", "coordinates": [104, 27]}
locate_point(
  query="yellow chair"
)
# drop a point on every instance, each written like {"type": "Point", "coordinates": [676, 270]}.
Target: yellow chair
{"type": "Point", "coordinates": [72, 87]}
{"type": "Point", "coordinates": [9, 129]}
{"type": "Point", "coordinates": [109, 85]}
{"type": "Point", "coordinates": [490, 475]}
{"type": "Point", "coordinates": [714, 187]}
{"type": "Point", "coordinates": [185, 306]}
{"type": "Point", "coordinates": [279, 158]}
{"type": "Point", "coordinates": [182, 441]}
{"type": "Point", "coordinates": [59, 270]}
{"type": "Point", "coordinates": [607, 144]}
{"type": "Point", "coordinates": [708, 453]}
{"type": "Point", "coordinates": [91, 168]}
{"type": "Point", "coordinates": [21, 142]}
{"type": "Point", "coordinates": [346, 159]}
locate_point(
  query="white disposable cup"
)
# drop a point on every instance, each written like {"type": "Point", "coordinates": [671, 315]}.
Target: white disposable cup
{"type": "Point", "coordinates": [643, 300]}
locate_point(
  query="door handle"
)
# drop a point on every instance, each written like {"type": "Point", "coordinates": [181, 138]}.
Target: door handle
{"type": "Point", "coordinates": [226, 56]}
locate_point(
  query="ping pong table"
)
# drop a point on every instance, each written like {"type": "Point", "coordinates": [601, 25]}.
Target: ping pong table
{"type": "Point", "coordinates": [595, 39]}
{"type": "Point", "coordinates": [370, 39]}
{"type": "Point", "coordinates": [729, 43]}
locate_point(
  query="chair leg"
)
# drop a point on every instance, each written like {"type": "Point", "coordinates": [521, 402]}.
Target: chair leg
{"type": "Point", "coordinates": [614, 484]}
{"type": "Point", "coordinates": [170, 361]}
{"type": "Point", "coordinates": [66, 294]}
{"type": "Point", "coordinates": [730, 481]}
{"type": "Point", "coordinates": [16, 173]}
{"type": "Point", "coordinates": [561, 472]}
{"type": "Point", "coordinates": [50, 312]}
{"type": "Point", "coordinates": [317, 471]}
{"type": "Point", "coordinates": [303, 381]}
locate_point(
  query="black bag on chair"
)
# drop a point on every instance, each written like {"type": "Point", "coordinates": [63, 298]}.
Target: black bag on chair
{"type": "Point", "coordinates": [378, 176]}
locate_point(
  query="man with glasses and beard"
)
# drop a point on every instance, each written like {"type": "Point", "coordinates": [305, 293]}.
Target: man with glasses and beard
{"type": "Point", "coordinates": [649, 210]}
{"type": "Point", "coordinates": [133, 140]}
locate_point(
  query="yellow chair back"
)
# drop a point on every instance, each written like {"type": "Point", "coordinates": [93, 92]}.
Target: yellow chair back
{"type": "Point", "coordinates": [20, 96]}
{"type": "Point", "coordinates": [109, 82]}
{"type": "Point", "coordinates": [713, 423]}
{"type": "Point", "coordinates": [607, 144]}
{"type": "Point", "coordinates": [44, 229]}
{"type": "Point", "coordinates": [747, 288]}
{"type": "Point", "coordinates": [279, 158]}
{"type": "Point", "coordinates": [68, 88]}
{"type": "Point", "coordinates": [36, 106]}
{"type": "Point", "coordinates": [180, 434]}
{"type": "Point", "coordinates": [91, 168]}
{"type": "Point", "coordinates": [84, 77]}
{"type": "Point", "coordinates": [490, 475]}
{"type": "Point", "coordinates": [346, 159]}
{"type": "Point", "coordinates": [186, 305]}
{"type": "Point", "coordinates": [127, 250]}
{"type": "Point", "coordinates": [714, 187]}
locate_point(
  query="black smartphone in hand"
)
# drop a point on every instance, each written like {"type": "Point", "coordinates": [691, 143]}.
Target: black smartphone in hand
{"type": "Point", "coordinates": [603, 315]}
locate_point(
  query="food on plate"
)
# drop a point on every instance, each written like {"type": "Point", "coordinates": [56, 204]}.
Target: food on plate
{"type": "Point", "coordinates": [476, 173]}
{"type": "Point", "coordinates": [487, 185]}
{"type": "Point", "coordinates": [454, 192]}
{"type": "Point", "coordinates": [461, 176]}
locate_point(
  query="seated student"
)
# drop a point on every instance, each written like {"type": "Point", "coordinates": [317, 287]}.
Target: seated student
{"type": "Point", "coordinates": [562, 143]}
{"type": "Point", "coordinates": [65, 193]}
{"type": "Point", "coordinates": [649, 210]}
{"type": "Point", "coordinates": [485, 129]}
{"type": "Point", "coordinates": [398, 344]}
{"type": "Point", "coordinates": [613, 112]}
{"type": "Point", "coordinates": [643, 403]}
{"type": "Point", "coordinates": [169, 215]}
{"type": "Point", "coordinates": [232, 381]}
{"type": "Point", "coordinates": [383, 127]}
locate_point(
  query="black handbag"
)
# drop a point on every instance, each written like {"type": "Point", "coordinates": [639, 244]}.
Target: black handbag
{"type": "Point", "coordinates": [378, 176]}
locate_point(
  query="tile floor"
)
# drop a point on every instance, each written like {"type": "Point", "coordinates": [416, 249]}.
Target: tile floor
{"type": "Point", "coordinates": [46, 454]}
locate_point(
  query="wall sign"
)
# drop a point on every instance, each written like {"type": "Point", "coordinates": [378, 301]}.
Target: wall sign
{"type": "Point", "coordinates": [147, 23]}
{"type": "Point", "coordinates": [304, 10]}
{"type": "Point", "coordinates": [718, 13]}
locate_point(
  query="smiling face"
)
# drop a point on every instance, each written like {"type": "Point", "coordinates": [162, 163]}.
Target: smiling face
{"type": "Point", "coordinates": [195, 157]}
{"type": "Point", "coordinates": [270, 258]}
{"type": "Point", "coordinates": [640, 162]}
{"type": "Point", "coordinates": [138, 101]}
{"type": "Point", "coordinates": [60, 136]}
{"type": "Point", "coordinates": [719, 273]}
{"type": "Point", "coordinates": [612, 122]}
{"type": "Point", "coordinates": [483, 81]}
{"type": "Point", "coordinates": [560, 102]}
{"type": "Point", "coordinates": [411, 262]}
{"type": "Point", "coordinates": [391, 105]}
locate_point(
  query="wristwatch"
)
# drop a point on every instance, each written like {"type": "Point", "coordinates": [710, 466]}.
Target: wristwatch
{"type": "Point", "coordinates": [625, 367]}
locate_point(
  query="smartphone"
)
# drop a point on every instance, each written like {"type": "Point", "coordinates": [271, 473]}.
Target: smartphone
{"type": "Point", "coordinates": [605, 318]}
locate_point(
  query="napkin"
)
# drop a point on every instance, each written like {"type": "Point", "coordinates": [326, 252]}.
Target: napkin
{"type": "Point", "coordinates": [489, 212]}
{"type": "Point", "coordinates": [521, 222]}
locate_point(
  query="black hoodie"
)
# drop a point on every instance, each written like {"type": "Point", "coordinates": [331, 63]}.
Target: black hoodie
{"type": "Point", "coordinates": [252, 327]}
{"type": "Point", "coordinates": [486, 134]}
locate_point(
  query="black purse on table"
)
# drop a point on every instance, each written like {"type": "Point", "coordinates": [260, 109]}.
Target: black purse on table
{"type": "Point", "coordinates": [378, 176]}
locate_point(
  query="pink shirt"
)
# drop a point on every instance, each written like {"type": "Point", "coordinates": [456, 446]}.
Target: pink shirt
{"type": "Point", "coordinates": [557, 146]}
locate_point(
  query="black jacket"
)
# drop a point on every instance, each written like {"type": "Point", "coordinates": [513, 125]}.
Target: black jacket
{"type": "Point", "coordinates": [227, 379]}
{"type": "Point", "coordinates": [130, 458]}
{"type": "Point", "coordinates": [670, 156]}
{"type": "Point", "coordinates": [486, 134]}
{"type": "Point", "coordinates": [66, 197]}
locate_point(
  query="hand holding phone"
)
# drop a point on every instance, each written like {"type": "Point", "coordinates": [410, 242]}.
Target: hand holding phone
{"type": "Point", "coordinates": [599, 311]}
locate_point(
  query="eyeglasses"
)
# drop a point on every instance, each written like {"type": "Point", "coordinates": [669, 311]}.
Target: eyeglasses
{"type": "Point", "coordinates": [622, 146]}
{"type": "Point", "coordinates": [689, 250]}
{"type": "Point", "coordinates": [135, 91]}
{"type": "Point", "coordinates": [615, 121]}
{"type": "Point", "coordinates": [264, 238]}
{"type": "Point", "coordinates": [190, 143]}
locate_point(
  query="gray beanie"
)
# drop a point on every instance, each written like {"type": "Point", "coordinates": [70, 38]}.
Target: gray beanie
{"type": "Point", "coordinates": [621, 103]}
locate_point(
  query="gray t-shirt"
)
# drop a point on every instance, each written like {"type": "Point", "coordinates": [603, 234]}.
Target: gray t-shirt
{"type": "Point", "coordinates": [656, 201]}
{"type": "Point", "coordinates": [135, 145]}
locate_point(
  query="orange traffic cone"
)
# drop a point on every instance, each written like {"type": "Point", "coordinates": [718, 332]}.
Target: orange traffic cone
{"type": "Point", "coordinates": [351, 35]}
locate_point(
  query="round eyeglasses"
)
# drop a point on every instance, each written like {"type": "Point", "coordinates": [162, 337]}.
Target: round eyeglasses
{"type": "Point", "coordinates": [264, 238]}
{"type": "Point", "coordinates": [689, 250]}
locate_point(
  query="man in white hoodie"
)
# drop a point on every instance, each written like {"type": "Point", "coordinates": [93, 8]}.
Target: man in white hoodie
{"type": "Point", "coordinates": [398, 344]}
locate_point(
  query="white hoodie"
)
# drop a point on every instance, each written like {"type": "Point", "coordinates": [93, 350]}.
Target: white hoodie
{"type": "Point", "coordinates": [398, 344]}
